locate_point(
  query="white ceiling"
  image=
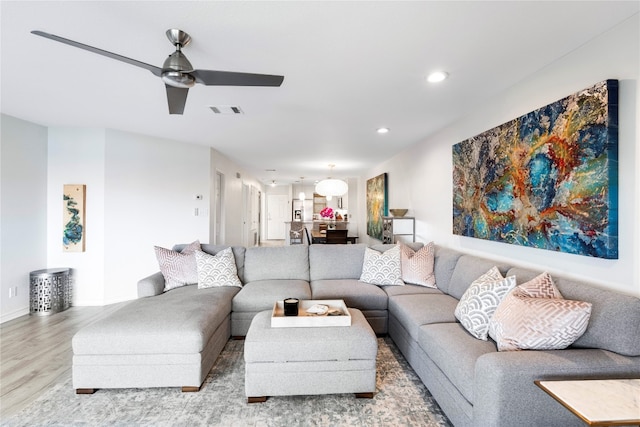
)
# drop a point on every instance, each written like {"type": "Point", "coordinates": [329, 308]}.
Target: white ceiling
{"type": "Point", "coordinates": [349, 67]}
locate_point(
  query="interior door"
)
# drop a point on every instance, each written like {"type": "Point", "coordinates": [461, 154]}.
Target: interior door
{"type": "Point", "coordinates": [219, 185]}
{"type": "Point", "coordinates": [277, 214]}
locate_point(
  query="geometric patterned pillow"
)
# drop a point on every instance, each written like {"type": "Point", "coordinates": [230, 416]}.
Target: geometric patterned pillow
{"type": "Point", "coordinates": [541, 286]}
{"type": "Point", "coordinates": [178, 268]}
{"type": "Point", "coordinates": [480, 301]}
{"type": "Point", "coordinates": [523, 322]}
{"type": "Point", "coordinates": [382, 268]}
{"type": "Point", "coordinates": [217, 270]}
{"type": "Point", "coordinates": [417, 266]}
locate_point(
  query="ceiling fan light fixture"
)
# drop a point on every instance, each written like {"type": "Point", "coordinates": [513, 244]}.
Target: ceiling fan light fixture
{"type": "Point", "coordinates": [178, 79]}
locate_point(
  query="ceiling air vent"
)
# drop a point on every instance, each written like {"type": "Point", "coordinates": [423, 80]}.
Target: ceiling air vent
{"type": "Point", "coordinates": [226, 109]}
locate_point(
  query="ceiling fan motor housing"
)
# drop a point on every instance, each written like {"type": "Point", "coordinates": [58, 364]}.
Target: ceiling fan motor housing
{"type": "Point", "coordinates": [176, 69]}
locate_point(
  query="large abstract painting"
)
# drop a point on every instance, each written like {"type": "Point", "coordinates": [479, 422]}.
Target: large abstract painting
{"type": "Point", "coordinates": [73, 232]}
{"type": "Point", "coordinates": [548, 179]}
{"type": "Point", "coordinates": [376, 205]}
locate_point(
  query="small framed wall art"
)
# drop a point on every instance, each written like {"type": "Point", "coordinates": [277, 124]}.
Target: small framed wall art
{"type": "Point", "coordinates": [73, 218]}
{"type": "Point", "coordinates": [377, 206]}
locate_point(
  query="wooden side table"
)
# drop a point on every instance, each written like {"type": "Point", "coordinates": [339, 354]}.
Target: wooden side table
{"type": "Point", "coordinates": [614, 402]}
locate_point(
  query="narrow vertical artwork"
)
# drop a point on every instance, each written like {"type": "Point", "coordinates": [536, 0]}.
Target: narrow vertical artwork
{"type": "Point", "coordinates": [73, 232]}
{"type": "Point", "coordinates": [548, 179]}
{"type": "Point", "coordinates": [376, 205]}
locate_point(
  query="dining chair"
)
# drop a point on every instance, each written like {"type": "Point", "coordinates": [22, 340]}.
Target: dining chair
{"type": "Point", "coordinates": [295, 234]}
{"type": "Point", "coordinates": [337, 237]}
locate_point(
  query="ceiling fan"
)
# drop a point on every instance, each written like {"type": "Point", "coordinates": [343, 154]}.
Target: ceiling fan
{"type": "Point", "coordinates": [177, 72]}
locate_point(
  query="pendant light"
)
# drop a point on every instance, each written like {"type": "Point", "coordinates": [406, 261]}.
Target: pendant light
{"type": "Point", "coordinates": [301, 195]}
{"type": "Point", "coordinates": [331, 187]}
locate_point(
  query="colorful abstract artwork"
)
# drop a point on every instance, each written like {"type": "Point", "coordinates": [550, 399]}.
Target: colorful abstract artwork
{"type": "Point", "coordinates": [376, 205]}
{"type": "Point", "coordinates": [548, 179]}
{"type": "Point", "coordinates": [73, 232]}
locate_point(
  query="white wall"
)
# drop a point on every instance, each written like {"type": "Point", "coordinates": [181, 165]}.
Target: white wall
{"type": "Point", "coordinates": [23, 212]}
{"type": "Point", "coordinates": [76, 156]}
{"type": "Point", "coordinates": [420, 177]}
{"type": "Point", "coordinates": [141, 193]}
{"type": "Point", "coordinates": [150, 190]}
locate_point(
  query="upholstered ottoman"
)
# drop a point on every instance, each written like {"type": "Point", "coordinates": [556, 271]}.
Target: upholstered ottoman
{"type": "Point", "coordinates": [310, 360]}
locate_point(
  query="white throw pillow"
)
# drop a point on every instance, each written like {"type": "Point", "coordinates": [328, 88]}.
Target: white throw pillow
{"type": "Point", "coordinates": [480, 301]}
{"type": "Point", "coordinates": [382, 268]}
{"type": "Point", "coordinates": [417, 266]}
{"type": "Point", "coordinates": [178, 268]}
{"type": "Point", "coordinates": [217, 270]}
{"type": "Point", "coordinates": [534, 316]}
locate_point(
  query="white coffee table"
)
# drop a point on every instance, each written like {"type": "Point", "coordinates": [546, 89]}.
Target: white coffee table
{"type": "Point", "coordinates": [614, 402]}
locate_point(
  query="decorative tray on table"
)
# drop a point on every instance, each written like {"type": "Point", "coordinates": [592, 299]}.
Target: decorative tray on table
{"type": "Point", "coordinates": [336, 314]}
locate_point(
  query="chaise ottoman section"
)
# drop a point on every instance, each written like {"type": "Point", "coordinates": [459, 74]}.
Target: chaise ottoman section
{"type": "Point", "coordinates": [309, 360]}
{"type": "Point", "coordinates": [169, 340]}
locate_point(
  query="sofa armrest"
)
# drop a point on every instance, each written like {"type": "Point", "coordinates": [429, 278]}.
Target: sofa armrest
{"type": "Point", "coordinates": [505, 394]}
{"type": "Point", "coordinates": [151, 285]}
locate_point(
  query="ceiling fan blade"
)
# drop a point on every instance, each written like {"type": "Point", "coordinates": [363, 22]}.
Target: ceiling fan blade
{"type": "Point", "coordinates": [177, 98]}
{"type": "Point", "coordinates": [155, 70]}
{"type": "Point", "coordinates": [230, 78]}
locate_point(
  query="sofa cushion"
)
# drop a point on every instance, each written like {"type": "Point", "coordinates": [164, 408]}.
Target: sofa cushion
{"type": "Point", "coordinates": [413, 311]}
{"type": "Point", "coordinates": [355, 294]}
{"type": "Point", "coordinates": [262, 294]}
{"type": "Point", "coordinates": [382, 268]}
{"type": "Point", "coordinates": [178, 268]}
{"type": "Point", "coordinates": [417, 266]}
{"type": "Point", "coordinates": [469, 268]}
{"type": "Point", "coordinates": [445, 260]}
{"type": "Point", "coordinates": [455, 352]}
{"type": "Point", "coordinates": [534, 316]}
{"type": "Point", "coordinates": [480, 300]}
{"type": "Point", "coordinates": [614, 324]}
{"type": "Point", "coordinates": [176, 322]}
{"type": "Point", "coordinates": [217, 270]}
{"type": "Point", "coordinates": [408, 289]}
{"type": "Point", "coordinates": [283, 262]}
{"type": "Point", "coordinates": [336, 261]}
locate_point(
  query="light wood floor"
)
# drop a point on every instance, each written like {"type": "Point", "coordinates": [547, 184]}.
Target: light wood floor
{"type": "Point", "coordinates": [35, 353]}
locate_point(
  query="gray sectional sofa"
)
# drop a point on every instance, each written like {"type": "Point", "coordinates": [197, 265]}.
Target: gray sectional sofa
{"type": "Point", "coordinates": [173, 338]}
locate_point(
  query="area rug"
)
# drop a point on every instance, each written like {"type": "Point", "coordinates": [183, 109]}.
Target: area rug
{"type": "Point", "coordinates": [400, 400]}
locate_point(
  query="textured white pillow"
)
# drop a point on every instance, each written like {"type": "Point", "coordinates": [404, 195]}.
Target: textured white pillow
{"type": "Point", "coordinates": [480, 301]}
{"type": "Point", "coordinates": [417, 266]}
{"type": "Point", "coordinates": [217, 270]}
{"type": "Point", "coordinates": [534, 317]}
{"type": "Point", "coordinates": [178, 268]}
{"type": "Point", "coordinates": [382, 268]}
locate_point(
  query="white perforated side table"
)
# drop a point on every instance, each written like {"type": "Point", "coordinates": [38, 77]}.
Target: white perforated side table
{"type": "Point", "coordinates": [49, 290]}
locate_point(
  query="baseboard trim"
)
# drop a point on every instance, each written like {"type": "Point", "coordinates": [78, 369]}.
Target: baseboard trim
{"type": "Point", "coordinates": [14, 314]}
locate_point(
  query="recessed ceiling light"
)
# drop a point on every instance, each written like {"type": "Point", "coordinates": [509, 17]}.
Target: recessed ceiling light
{"type": "Point", "coordinates": [437, 76]}
{"type": "Point", "coordinates": [383, 130]}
